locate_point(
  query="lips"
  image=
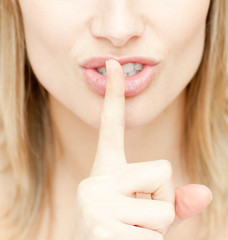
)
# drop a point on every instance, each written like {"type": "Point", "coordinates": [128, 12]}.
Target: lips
{"type": "Point", "coordinates": [97, 62]}
{"type": "Point", "coordinates": [133, 85]}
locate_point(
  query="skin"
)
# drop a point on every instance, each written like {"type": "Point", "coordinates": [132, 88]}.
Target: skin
{"type": "Point", "coordinates": [57, 38]}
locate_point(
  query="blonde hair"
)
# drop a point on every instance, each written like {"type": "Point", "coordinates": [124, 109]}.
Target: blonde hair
{"type": "Point", "coordinates": [207, 111]}
{"type": "Point", "coordinates": [27, 128]}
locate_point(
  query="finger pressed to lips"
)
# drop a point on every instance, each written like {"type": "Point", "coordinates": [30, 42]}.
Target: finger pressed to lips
{"type": "Point", "coordinates": [110, 149]}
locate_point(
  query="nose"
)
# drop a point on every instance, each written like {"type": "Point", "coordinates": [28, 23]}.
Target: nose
{"type": "Point", "coordinates": [117, 21]}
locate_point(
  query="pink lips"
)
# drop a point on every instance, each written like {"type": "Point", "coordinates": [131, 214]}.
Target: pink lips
{"type": "Point", "coordinates": [134, 85]}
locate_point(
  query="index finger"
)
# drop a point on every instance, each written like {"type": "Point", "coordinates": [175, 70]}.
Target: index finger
{"type": "Point", "coordinates": [110, 148]}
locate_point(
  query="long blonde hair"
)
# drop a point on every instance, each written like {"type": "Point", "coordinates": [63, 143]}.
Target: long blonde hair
{"type": "Point", "coordinates": [207, 112]}
{"type": "Point", "coordinates": [26, 127]}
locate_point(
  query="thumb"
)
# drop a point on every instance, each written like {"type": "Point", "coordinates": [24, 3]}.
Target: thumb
{"type": "Point", "coordinates": [191, 199]}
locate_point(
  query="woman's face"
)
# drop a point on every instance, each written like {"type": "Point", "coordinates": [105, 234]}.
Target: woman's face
{"type": "Point", "coordinates": [62, 34]}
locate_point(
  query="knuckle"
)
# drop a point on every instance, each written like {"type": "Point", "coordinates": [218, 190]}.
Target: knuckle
{"type": "Point", "coordinates": [90, 185]}
{"type": "Point", "coordinates": [100, 232]}
{"type": "Point", "coordinates": [158, 236]}
{"type": "Point", "coordinates": [86, 189]}
{"type": "Point", "coordinates": [154, 235]}
{"type": "Point", "coordinates": [169, 215]}
{"type": "Point", "coordinates": [167, 168]}
{"type": "Point", "coordinates": [92, 191]}
{"type": "Point", "coordinates": [91, 213]}
{"type": "Point", "coordinates": [83, 187]}
{"type": "Point", "coordinates": [82, 196]}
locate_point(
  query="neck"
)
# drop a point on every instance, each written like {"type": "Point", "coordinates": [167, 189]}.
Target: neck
{"type": "Point", "coordinates": [162, 138]}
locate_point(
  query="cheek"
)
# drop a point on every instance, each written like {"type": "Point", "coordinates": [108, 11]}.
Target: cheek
{"type": "Point", "coordinates": [54, 34]}
{"type": "Point", "coordinates": [183, 20]}
{"type": "Point", "coordinates": [51, 29]}
{"type": "Point", "coordinates": [183, 35]}
{"type": "Point", "coordinates": [186, 30]}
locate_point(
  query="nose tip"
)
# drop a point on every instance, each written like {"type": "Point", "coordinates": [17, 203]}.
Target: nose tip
{"type": "Point", "coordinates": [117, 28]}
{"type": "Point", "coordinates": [120, 39]}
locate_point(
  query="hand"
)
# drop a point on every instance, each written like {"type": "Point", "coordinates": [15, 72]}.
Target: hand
{"type": "Point", "coordinates": [107, 207]}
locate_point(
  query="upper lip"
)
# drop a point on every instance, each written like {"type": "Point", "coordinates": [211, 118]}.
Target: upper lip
{"type": "Point", "coordinates": [97, 62]}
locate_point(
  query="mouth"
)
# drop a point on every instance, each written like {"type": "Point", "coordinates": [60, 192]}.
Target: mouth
{"type": "Point", "coordinates": [129, 69]}
{"type": "Point", "coordinates": [138, 72]}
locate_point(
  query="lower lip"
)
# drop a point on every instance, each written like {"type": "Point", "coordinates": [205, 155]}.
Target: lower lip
{"type": "Point", "coordinates": [133, 85]}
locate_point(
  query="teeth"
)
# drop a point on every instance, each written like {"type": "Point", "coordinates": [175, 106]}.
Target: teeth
{"type": "Point", "coordinates": [132, 73]}
{"type": "Point", "coordinates": [138, 66]}
{"type": "Point", "coordinates": [103, 71]}
{"type": "Point", "coordinates": [129, 69]}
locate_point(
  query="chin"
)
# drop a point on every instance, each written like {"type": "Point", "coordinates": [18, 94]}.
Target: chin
{"type": "Point", "coordinates": [135, 123]}
{"type": "Point", "coordinates": [132, 123]}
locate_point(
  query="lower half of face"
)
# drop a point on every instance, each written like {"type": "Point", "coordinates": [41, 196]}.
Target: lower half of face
{"type": "Point", "coordinates": [61, 35]}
